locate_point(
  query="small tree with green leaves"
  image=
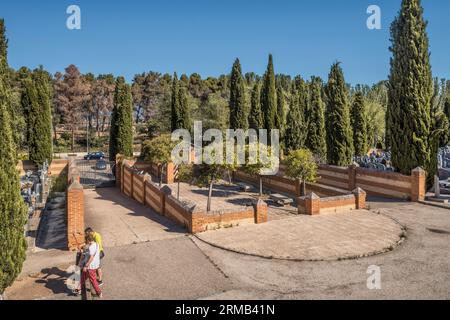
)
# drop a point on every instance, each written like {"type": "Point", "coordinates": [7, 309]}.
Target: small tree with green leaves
{"type": "Point", "coordinates": [158, 151]}
{"type": "Point", "coordinates": [301, 167]}
{"type": "Point", "coordinates": [256, 164]}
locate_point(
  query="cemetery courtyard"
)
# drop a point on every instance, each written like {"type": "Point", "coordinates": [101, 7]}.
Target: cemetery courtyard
{"type": "Point", "coordinates": [290, 257]}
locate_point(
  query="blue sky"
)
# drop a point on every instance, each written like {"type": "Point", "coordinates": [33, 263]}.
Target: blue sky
{"type": "Point", "coordinates": [205, 36]}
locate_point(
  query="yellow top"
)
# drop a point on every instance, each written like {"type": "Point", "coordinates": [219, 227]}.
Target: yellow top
{"type": "Point", "coordinates": [98, 240]}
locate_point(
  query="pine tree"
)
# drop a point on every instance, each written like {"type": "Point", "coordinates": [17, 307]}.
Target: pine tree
{"type": "Point", "coordinates": [268, 97]}
{"type": "Point", "coordinates": [358, 122]}
{"type": "Point", "coordinates": [296, 128]}
{"type": "Point", "coordinates": [121, 135]}
{"type": "Point", "coordinates": [256, 120]}
{"type": "Point", "coordinates": [175, 104]}
{"type": "Point", "coordinates": [339, 132]}
{"type": "Point", "coordinates": [238, 105]}
{"type": "Point", "coordinates": [12, 207]}
{"type": "Point", "coordinates": [280, 117]}
{"type": "Point", "coordinates": [408, 118]}
{"type": "Point", "coordinates": [316, 138]}
{"type": "Point", "coordinates": [36, 101]}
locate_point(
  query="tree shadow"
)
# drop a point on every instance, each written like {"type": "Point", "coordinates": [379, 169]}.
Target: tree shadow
{"type": "Point", "coordinates": [55, 280]}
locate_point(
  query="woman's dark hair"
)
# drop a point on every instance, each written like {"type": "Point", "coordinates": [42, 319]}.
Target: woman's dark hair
{"type": "Point", "coordinates": [89, 237]}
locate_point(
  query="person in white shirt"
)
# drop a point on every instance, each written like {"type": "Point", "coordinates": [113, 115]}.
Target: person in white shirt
{"type": "Point", "coordinates": [89, 267]}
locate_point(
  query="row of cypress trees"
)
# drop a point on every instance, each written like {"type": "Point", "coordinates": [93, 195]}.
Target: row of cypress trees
{"type": "Point", "coordinates": [179, 106]}
{"type": "Point", "coordinates": [344, 129]}
{"type": "Point", "coordinates": [12, 208]}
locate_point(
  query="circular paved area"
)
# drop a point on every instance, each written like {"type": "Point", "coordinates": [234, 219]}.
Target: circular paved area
{"type": "Point", "coordinates": [337, 236]}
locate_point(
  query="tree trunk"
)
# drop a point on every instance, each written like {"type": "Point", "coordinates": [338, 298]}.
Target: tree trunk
{"type": "Point", "coordinates": [230, 180]}
{"type": "Point", "coordinates": [160, 176]}
{"type": "Point", "coordinates": [208, 207]}
{"type": "Point", "coordinates": [260, 186]}
{"type": "Point", "coordinates": [73, 139]}
{"type": "Point", "coordinates": [303, 189]}
{"type": "Point", "coordinates": [178, 191]}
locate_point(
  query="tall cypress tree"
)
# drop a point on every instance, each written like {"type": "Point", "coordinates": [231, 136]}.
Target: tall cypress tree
{"type": "Point", "coordinates": [36, 101]}
{"type": "Point", "coordinates": [183, 121]}
{"type": "Point", "coordinates": [269, 97]}
{"type": "Point", "coordinates": [12, 207]}
{"type": "Point", "coordinates": [121, 134]}
{"type": "Point", "coordinates": [339, 132]}
{"type": "Point", "coordinates": [358, 121]}
{"type": "Point", "coordinates": [280, 117]}
{"type": "Point", "coordinates": [174, 104]}
{"type": "Point", "coordinates": [238, 105]}
{"type": "Point", "coordinates": [408, 118]}
{"type": "Point", "coordinates": [316, 138]}
{"type": "Point", "coordinates": [255, 119]}
{"type": "Point", "coordinates": [296, 127]}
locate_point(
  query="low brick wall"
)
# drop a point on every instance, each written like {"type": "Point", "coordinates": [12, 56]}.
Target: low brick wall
{"type": "Point", "coordinates": [56, 167]}
{"type": "Point", "coordinates": [312, 204]}
{"type": "Point", "coordinates": [75, 208]}
{"type": "Point", "coordinates": [139, 186]}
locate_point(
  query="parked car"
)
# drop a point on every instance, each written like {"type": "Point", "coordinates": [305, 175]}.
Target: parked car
{"type": "Point", "coordinates": [94, 156]}
{"type": "Point", "coordinates": [101, 165]}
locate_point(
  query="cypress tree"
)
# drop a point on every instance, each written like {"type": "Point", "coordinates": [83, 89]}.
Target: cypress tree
{"type": "Point", "coordinates": [121, 135]}
{"type": "Point", "coordinates": [339, 132]}
{"type": "Point", "coordinates": [238, 106]}
{"type": "Point", "coordinates": [36, 101]}
{"type": "Point", "coordinates": [295, 133]}
{"type": "Point", "coordinates": [280, 117]}
{"type": "Point", "coordinates": [316, 138]}
{"type": "Point", "coordinates": [359, 124]}
{"type": "Point", "coordinates": [447, 107]}
{"type": "Point", "coordinates": [268, 97]}
{"type": "Point", "coordinates": [183, 121]}
{"type": "Point", "coordinates": [410, 93]}
{"type": "Point", "coordinates": [12, 208]}
{"type": "Point", "coordinates": [256, 120]}
{"type": "Point", "coordinates": [175, 104]}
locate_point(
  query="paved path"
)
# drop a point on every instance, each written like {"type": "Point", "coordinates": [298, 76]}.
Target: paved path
{"type": "Point", "coordinates": [325, 237]}
{"type": "Point", "coordinates": [122, 221]}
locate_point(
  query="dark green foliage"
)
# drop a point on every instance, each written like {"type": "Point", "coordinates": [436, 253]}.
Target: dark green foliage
{"type": "Point", "coordinates": [296, 127]}
{"type": "Point", "coordinates": [447, 107]}
{"type": "Point", "coordinates": [12, 207]}
{"type": "Point", "coordinates": [316, 138]}
{"type": "Point", "coordinates": [121, 132]}
{"type": "Point", "coordinates": [339, 132]}
{"type": "Point", "coordinates": [269, 97]}
{"type": "Point", "coordinates": [238, 104]}
{"type": "Point", "coordinates": [358, 121]}
{"type": "Point", "coordinates": [179, 114]}
{"type": "Point", "coordinates": [255, 119]}
{"type": "Point", "coordinates": [280, 117]}
{"type": "Point", "coordinates": [36, 102]}
{"type": "Point", "coordinates": [408, 118]}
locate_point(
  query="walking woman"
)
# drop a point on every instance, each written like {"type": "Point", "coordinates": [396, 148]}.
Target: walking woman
{"type": "Point", "coordinates": [89, 270]}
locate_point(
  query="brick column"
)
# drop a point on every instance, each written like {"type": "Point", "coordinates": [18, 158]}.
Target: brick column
{"type": "Point", "coordinates": [351, 177]}
{"type": "Point", "coordinates": [75, 215]}
{"type": "Point", "coordinates": [170, 173]}
{"type": "Point", "coordinates": [260, 208]}
{"type": "Point", "coordinates": [360, 198]}
{"type": "Point", "coordinates": [310, 204]}
{"type": "Point", "coordinates": [418, 184]}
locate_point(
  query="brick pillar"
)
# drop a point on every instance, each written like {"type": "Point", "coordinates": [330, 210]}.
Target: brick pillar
{"type": "Point", "coordinates": [312, 204]}
{"type": "Point", "coordinates": [360, 198]}
{"type": "Point", "coordinates": [351, 177]}
{"type": "Point", "coordinates": [75, 215]}
{"type": "Point", "coordinates": [260, 208]}
{"type": "Point", "coordinates": [122, 175]}
{"type": "Point", "coordinates": [418, 184]}
{"type": "Point", "coordinates": [170, 173]}
{"type": "Point", "coordinates": [131, 183]}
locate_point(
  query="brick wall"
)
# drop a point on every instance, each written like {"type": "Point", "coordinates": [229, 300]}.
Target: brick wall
{"type": "Point", "coordinates": [140, 187]}
{"type": "Point", "coordinates": [75, 208]}
{"type": "Point", "coordinates": [56, 167]}
{"type": "Point", "coordinates": [312, 204]}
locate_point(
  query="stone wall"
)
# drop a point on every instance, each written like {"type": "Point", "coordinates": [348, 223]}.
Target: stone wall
{"type": "Point", "coordinates": [139, 186]}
